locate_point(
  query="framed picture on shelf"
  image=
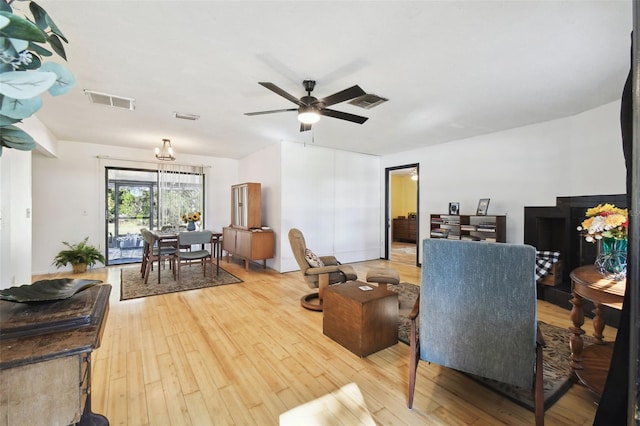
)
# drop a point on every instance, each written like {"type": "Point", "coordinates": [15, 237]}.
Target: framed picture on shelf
{"type": "Point", "coordinates": [454, 208]}
{"type": "Point", "coordinates": [483, 206]}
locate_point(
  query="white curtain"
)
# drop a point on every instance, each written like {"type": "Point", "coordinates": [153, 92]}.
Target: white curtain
{"type": "Point", "coordinates": [180, 191]}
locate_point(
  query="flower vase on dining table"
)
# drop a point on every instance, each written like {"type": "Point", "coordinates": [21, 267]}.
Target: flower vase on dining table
{"type": "Point", "coordinates": [191, 226]}
{"type": "Point", "coordinates": [612, 259]}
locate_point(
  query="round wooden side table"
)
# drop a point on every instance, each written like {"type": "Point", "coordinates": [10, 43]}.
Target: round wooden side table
{"type": "Point", "coordinates": [591, 364]}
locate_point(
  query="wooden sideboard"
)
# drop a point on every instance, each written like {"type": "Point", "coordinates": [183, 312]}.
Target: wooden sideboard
{"type": "Point", "coordinates": [248, 244]}
{"type": "Point", "coordinates": [45, 359]}
{"type": "Point", "coordinates": [404, 230]}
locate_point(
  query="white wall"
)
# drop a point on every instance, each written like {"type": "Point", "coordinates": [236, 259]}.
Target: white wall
{"type": "Point", "coordinates": [333, 198]}
{"type": "Point", "coordinates": [527, 166]}
{"type": "Point", "coordinates": [68, 194]}
{"type": "Point", "coordinates": [15, 218]}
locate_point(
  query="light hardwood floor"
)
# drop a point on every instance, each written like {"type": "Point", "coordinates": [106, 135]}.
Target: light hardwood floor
{"type": "Point", "coordinates": [242, 354]}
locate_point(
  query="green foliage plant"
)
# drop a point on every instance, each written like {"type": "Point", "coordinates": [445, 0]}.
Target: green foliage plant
{"type": "Point", "coordinates": [23, 74]}
{"type": "Point", "coordinates": [79, 253]}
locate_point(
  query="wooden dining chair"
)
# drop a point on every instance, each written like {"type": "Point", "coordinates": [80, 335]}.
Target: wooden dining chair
{"type": "Point", "coordinates": [153, 251]}
{"type": "Point", "coordinates": [196, 241]}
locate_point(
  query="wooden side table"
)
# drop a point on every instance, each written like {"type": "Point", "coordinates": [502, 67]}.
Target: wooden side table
{"type": "Point", "coordinates": [362, 321]}
{"type": "Point", "coordinates": [591, 364]}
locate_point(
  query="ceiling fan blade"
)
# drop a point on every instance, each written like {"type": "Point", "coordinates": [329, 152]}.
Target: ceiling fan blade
{"type": "Point", "coordinates": [305, 127]}
{"type": "Point", "coordinates": [270, 112]}
{"type": "Point", "coordinates": [281, 92]}
{"type": "Point", "coordinates": [345, 95]}
{"type": "Point", "coordinates": [343, 115]}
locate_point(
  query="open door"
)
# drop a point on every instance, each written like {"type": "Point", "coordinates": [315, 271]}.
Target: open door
{"type": "Point", "coordinates": [402, 228]}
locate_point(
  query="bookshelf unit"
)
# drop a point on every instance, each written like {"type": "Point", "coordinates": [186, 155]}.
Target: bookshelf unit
{"type": "Point", "coordinates": [467, 227]}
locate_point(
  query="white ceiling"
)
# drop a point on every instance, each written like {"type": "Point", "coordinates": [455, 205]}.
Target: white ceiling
{"type": "Point", "coordinates": [450, 69]}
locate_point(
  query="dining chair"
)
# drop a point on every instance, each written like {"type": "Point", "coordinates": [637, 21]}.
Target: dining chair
{"type": "Point", "coordinates": [153, 250]}
{"type": "Point", "coordinates": [197, 254]}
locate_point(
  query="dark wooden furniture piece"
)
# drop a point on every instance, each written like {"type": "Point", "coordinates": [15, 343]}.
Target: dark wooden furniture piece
{"type": "Point", "coordinates": [45, 359]}
{"type": "Point", "coordinates": [469, 227]}
{"type": "Point", "coordinates": [404, 230]}
{"type": "Point", "coordinates": [362, 321]}
{"type": "Point", "coordinates": [591, 364]}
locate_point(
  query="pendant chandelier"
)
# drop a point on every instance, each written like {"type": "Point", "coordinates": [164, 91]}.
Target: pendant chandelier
{"type": "Point", "coordinates": [166, 153]}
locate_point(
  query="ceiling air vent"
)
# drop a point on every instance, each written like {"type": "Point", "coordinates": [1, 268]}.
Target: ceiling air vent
{"type": "Point", "coordinates": [184, 116]}
{"type": "Point", "coordinates": [110, 100]}
{"type": "Point", "coordinates": [368, 101]}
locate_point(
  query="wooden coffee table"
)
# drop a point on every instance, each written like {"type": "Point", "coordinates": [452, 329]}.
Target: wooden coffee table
{"type": "Point", "coordinates": [362, 321]}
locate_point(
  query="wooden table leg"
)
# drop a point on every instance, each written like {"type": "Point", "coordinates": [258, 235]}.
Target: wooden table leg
{"type": "Point", "coordinates": [598, 324]}
{"type": "Point", "coordinates": [575, 341]}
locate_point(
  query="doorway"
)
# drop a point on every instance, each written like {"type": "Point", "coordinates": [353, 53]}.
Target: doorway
{"type": "Point", "coordinates": [402, 198]}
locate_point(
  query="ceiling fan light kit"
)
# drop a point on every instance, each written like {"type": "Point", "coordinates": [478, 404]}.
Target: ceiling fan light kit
{"type": "Point", "coordinates": [166, 152]}
{"type": "Point", "coordinates": [311, 108]}
{"type": "Point", "coordinates": [308, 115]}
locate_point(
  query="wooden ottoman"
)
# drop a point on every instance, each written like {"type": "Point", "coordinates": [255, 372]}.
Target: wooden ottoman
{"type": "Point", "coordinates": [362, 321]}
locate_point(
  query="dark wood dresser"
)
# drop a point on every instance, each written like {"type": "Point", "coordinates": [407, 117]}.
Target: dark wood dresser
{"type": "Point", "coordinates": [404, 230]}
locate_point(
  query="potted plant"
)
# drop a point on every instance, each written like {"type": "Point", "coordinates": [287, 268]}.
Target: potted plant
{"type": "Point", "coordinates": [79, 255]}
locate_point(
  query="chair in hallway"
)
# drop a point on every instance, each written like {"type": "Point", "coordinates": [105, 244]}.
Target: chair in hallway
{"type": "Point", "coordinates": [318, 271]}
{"type": "Point", "coordinates": [195, 254]}
{"type": "Point", "coordinates": [477, 314]}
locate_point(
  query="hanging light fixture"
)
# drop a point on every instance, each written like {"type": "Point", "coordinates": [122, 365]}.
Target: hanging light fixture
{"type": "Point", "coordinates": [166, 153]}
{"type": "Point", "coordinates": [308, 115]}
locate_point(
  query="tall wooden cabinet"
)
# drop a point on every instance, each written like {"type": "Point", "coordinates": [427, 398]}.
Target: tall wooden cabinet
{"type": "Point", "coordinates": [246, 205]}
{"type": "Point", "coordinates": [245, 237]}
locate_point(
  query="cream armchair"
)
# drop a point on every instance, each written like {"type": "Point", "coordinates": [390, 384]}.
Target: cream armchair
{"type": "Point", "coordinates": [329, 270]}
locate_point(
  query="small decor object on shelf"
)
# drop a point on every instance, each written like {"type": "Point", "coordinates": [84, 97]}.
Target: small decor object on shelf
{"type": "Point", "coordinates": [190, 219]}
{"type": "Point", "coordinates": [608, 225]}
{"type": "Point", "coordinates": [454, 208]}
{"type": "Point", "coordinates": [483, 206]}
{"type": "Point", "coordinates": [79, 255]}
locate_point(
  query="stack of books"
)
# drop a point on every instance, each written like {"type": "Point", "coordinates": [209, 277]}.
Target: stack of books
{"type": "Point", "coordinates": [439, 233]}
{"type": "Point", "coordinates": [487, 227]}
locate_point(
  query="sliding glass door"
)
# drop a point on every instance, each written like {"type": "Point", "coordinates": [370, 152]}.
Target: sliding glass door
{"type": "Point", "coordinates": [150, 199]}
{"type": "Point", "coordinates": [131, 204]}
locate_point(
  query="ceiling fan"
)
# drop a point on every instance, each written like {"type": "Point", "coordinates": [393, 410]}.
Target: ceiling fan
{"type": "Point", "coordinates": [311, 108]}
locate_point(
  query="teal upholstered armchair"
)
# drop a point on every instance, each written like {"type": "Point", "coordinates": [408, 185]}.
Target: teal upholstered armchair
{"type": "Point", "coordinates": [477, 314]}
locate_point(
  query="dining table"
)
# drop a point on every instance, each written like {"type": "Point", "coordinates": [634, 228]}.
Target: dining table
{"type": "Point", "coordinates": [169, 237]}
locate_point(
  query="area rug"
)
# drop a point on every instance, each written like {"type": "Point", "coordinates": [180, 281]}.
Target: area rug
{"type": "Point", "coordinates": [557, 374]}
{"type": "Point", "coordinates": [132, 285]}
